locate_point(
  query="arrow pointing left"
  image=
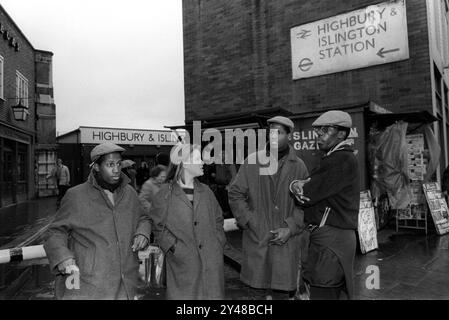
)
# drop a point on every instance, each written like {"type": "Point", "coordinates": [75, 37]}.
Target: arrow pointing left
{"type": "Point", "coordinates": [381, 53]}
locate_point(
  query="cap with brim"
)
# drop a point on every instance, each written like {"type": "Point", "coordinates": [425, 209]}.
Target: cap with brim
{"type": "Point", "coordinates": [334, 118]}
{"type": "Point", "coordinates": [102, 149]}
{"type": "Point", "coordinates": [127, 163]}
{"type": "Point", "coordinates": [282, 120]}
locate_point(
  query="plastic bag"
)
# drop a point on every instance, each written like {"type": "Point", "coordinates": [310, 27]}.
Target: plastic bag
{"type": "Point", "coordinates": [155, 266]}
{"type": "Point", "coordinates": [434, 153]}
{"type": "Point", "coordinates": [390, 164]}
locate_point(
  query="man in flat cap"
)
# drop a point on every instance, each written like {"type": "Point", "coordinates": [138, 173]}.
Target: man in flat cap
{"type": "Point", "coordinates": [130, 172]}
{"type": "Point", "coordinates": [92, 244]}
{"type": "Point", "coordinates": [271, 221]}
{"type": "Point", "coordinates": [330, 198]}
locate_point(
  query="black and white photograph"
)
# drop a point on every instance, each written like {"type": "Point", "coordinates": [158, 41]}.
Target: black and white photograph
{"type": "Point", "coordinates": [224, 154]}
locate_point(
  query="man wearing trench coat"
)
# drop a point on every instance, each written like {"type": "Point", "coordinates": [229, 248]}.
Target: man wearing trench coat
{"type": "Point", "coordinates": [261, 204]}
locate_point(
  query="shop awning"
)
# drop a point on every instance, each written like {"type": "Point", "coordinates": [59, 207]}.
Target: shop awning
{"type": "Point", "coordinates": [256, 119]}
{"type": "Point", "coordinates": [420, 117]}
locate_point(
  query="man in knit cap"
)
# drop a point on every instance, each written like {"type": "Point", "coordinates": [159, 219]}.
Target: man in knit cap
{"type": "Point", "coordinates": [97, 232]}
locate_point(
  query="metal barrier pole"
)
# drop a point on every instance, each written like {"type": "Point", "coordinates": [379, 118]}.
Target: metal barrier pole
{"type": "Point", "coordinates": [38, 252]}
{"type": "Point", "coordinates": [20, 254]}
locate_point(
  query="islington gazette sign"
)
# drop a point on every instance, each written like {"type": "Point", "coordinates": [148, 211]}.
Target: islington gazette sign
{"type": "Point", "coordinates": [127, 136]}
{"type": "Point", "coordinates": [374, 35]}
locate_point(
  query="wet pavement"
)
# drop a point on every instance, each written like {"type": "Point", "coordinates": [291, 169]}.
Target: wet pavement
{"type": "Point", "coordinates": [18, 223]}
{"type": "Point", "coordinates": [411, 265]}
{"type": "Point", "coordinates": [23, 225]}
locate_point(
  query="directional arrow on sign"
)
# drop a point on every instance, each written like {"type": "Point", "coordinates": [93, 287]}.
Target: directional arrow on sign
{"type": "Point", "coordinates": [381, 53]}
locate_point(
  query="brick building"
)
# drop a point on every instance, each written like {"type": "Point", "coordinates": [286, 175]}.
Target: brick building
{"type": "Point", "coordinates": [238, 58]}
{"type": "Point", "coordinates": [27, 147]}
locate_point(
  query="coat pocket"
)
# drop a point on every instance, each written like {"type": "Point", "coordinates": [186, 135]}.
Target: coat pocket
{"type": "Point", "coordinates": [84, 252]}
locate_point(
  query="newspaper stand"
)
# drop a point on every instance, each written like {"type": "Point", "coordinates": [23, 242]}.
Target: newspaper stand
{"type": "Point", "coordinates": [415, 215]}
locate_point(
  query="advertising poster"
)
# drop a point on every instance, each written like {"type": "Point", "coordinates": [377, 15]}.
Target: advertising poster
{"type": "Point", "coordinates": [367, 223]}
{"type": "Point", "coordinates": [438, 207]}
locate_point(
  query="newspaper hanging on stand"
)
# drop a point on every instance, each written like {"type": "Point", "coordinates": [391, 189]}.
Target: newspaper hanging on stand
{"type": "Point", "coordinates": [416, 163]}
{"type": "Point", "coordinates": [367, 223]}
{"type": "Point", "coordinates": [438, 207]}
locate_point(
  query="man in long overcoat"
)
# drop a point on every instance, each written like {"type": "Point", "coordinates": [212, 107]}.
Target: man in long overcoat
{"type": "Point", "coordinates": [272, 223]}
{"type": "Point", "coordinates": [98, 230]}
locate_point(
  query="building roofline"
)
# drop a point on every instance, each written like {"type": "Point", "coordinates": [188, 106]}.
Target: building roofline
{"type": "Point", "coordinates": [89, 127]}
{"type": "Point", "coordinates": [44, 51]}
{"type": "Point", "coordinates": [15, 25]}
{"type": "Point", "coordinates": [68, 133]}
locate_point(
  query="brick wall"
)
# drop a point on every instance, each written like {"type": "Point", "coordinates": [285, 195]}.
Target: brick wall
{"type": "Point", "coordinates": [23, 61]}
{"type": "Point", "coordinates": [237, 57]}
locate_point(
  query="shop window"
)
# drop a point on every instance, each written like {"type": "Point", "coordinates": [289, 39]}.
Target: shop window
{"type": "Point", "coordinates": [6, 172]}
{"type": "Point", "coordinates": [22, 172]}
{"type": "Point", "coordinates": [1, 77]}
{"type": "Point", "coordinates": [21, 89]}
{"type": "Point", "coordinates": [22, 165]}
{"type": "Point", "coordinates": [45, 163]}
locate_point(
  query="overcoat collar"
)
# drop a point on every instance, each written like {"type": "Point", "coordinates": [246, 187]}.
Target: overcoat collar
{"type": "Point", "coordinates": [118, 192]}
{"type": "Point", "coordinates": [198, 190]}
{"type": "Point", "coordinates": [291, 156]}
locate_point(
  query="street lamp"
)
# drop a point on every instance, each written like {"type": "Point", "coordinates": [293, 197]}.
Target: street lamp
{"type": "Point", "coordinates": [20, 111]}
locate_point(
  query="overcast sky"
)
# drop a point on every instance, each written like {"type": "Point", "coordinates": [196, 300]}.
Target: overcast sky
{"type": "Point", "coordinates": [116, 63]}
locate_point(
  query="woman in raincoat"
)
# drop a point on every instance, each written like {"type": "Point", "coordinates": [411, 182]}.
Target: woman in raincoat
{"type": "Point", "coordinates": [188, 225]}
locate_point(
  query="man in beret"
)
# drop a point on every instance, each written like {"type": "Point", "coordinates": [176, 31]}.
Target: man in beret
{"type": "Point", "coordinates": [331, 198]}
{"type": "Point", "coordinates": [92, 244]}
{"type": "Point", "coordinates": [271, 221]}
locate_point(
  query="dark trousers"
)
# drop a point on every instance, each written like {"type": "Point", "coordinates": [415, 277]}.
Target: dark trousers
{"type": "Point", "coordinates": [320, 293]}
{"type": "Point", "coordinates": [275, 294]}
{"type": "Point", "coordinates": [61, 193]}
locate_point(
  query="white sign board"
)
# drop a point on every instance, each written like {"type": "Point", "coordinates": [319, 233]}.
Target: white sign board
{"type": "Point", "coordinates": [127, 136]}
{"type": "Point", "coordinates": [367, 223]}
{"type": "Point", "coordinates": [374, 35]}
